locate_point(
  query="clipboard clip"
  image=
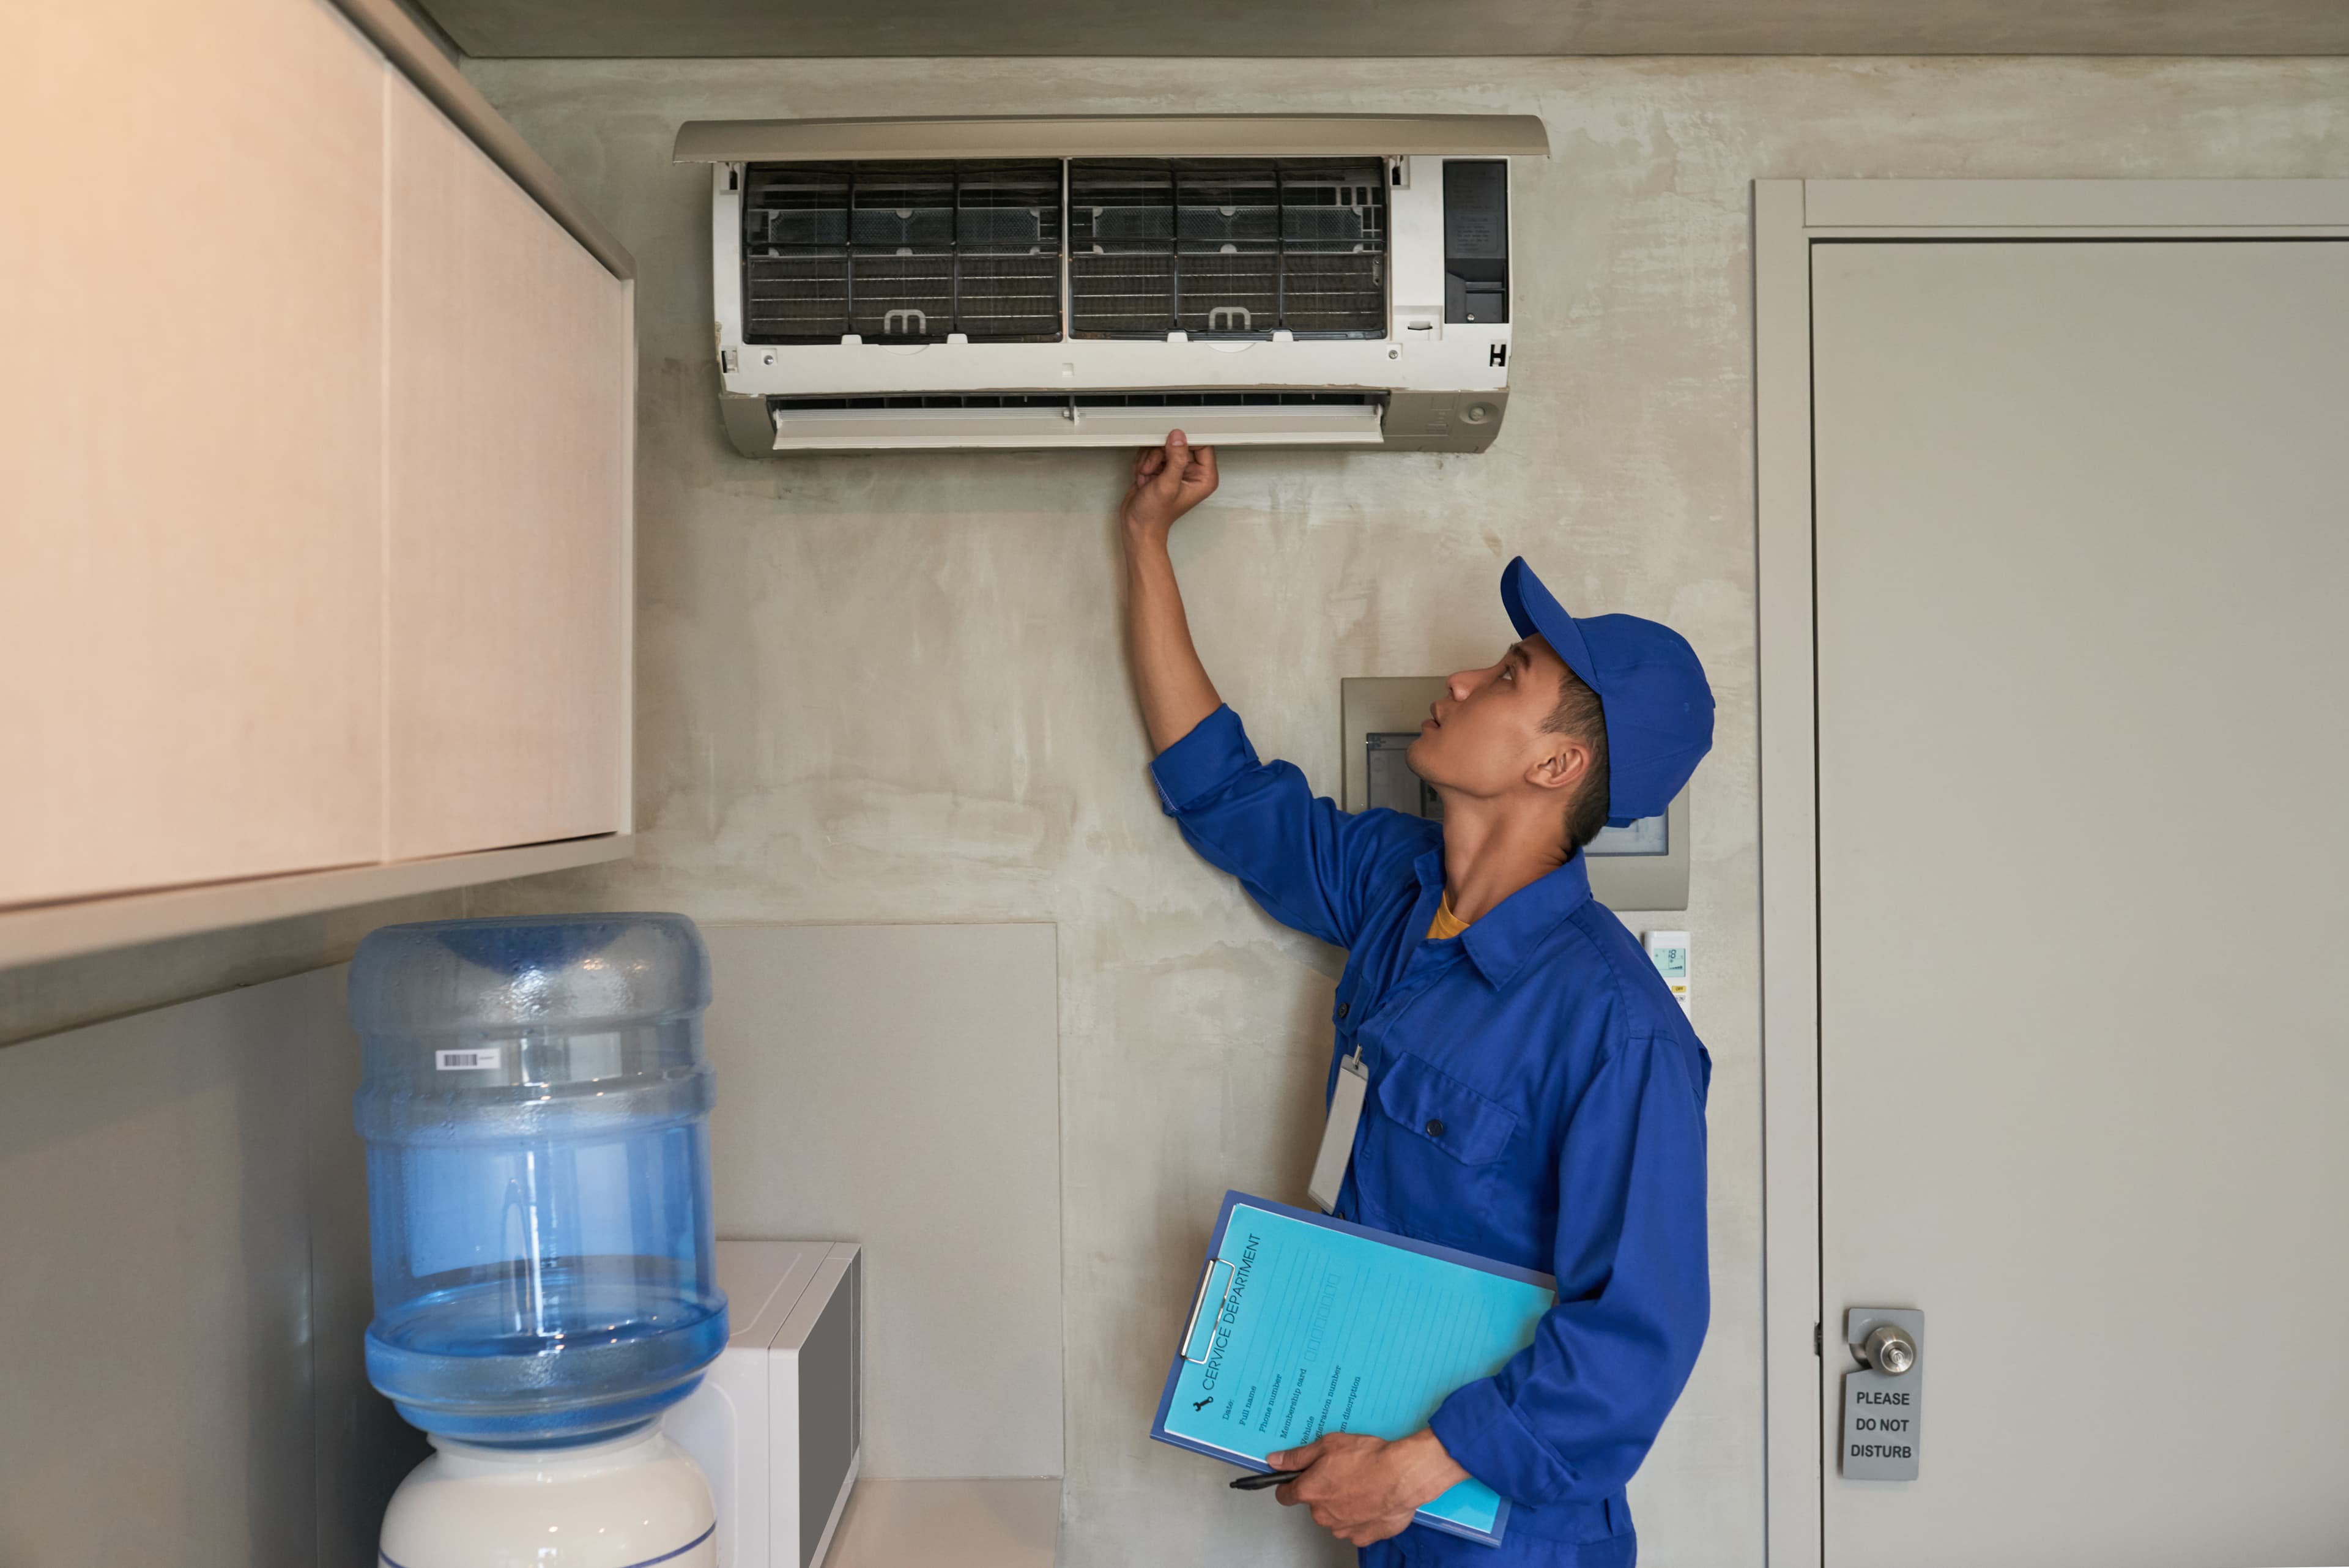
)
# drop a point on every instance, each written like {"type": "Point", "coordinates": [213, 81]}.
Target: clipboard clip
{"type": "Point", "coordinates": [1190, 1336]}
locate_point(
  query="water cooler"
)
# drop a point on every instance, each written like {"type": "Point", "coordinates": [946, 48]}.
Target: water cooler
{"type": "Point", "coordinates": [536, 1106]}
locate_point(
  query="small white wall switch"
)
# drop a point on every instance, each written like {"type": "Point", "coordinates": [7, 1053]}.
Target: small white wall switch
{"type": "Point", "coordinates": [1669, 952]}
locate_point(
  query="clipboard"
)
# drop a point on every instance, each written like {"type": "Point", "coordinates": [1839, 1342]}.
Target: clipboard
{"type": "Point", "coordinates": [1304, 1325]}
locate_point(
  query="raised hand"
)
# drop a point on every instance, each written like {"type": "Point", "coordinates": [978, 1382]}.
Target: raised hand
{"type": "Point", "coordinates": [1168, 481]}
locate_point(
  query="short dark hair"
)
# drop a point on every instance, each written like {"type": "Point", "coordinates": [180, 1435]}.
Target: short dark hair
{"type": "Point", "coordinates": [1579, 716]}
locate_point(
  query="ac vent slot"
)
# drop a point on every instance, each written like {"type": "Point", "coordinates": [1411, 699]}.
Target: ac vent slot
{"type": "Point", "coordinates": [1228, 247]}
{"type": "Point", "coordinates": [902, 252]}
{"type": "Point", "coordinates": [1225, 399]}
{"type": "Point", "coordinates": [1201, 399]}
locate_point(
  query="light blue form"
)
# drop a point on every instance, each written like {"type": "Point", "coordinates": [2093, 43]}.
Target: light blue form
{"type": "Point", "coordinates": [1303, 1329]}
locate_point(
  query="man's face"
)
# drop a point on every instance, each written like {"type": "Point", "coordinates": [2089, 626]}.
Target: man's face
{"type": "Point", "coordinates": [1485, 737]}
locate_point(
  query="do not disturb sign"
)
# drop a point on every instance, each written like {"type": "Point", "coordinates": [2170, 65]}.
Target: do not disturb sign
{"type": "Point", "coordinates": [1881, 1409]}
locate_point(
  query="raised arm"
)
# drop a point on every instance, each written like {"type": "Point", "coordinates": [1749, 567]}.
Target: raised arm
{"type": "Point", "coordinates": [1309, 865]}
{"type": "Point", "coordinates": [1171, 683]}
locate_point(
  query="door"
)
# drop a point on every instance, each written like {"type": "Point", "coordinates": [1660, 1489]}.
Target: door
{"type": "Point", "coordinates": [2082, 548]}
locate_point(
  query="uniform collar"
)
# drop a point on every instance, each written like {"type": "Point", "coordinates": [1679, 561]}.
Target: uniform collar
{"type": "Point", "coordinates": [1500, 943]}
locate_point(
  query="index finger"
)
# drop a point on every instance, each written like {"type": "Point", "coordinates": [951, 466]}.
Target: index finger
{"type": "Point", "coordinates": [1204, 456]}
{"type": "Point", "coordinates": [1296, 1458]}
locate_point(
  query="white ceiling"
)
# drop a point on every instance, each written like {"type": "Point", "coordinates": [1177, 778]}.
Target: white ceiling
{"type": "Point", "coordinates": [1306, 28]}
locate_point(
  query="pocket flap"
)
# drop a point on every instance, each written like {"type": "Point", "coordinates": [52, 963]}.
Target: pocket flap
{"type": "Point", "coordinates": [1444, 1111]}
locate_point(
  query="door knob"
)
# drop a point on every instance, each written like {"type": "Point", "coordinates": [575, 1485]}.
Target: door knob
{"type": "Point", "coordinates": [1889, 1349]}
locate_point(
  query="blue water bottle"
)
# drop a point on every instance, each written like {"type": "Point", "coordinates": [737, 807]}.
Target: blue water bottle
{"type": "Point", "coordinates": [536, 1110]}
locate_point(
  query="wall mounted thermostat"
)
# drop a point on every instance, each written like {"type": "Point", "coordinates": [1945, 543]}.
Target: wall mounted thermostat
{"type": "Point", "coordinates": [1642, 865]}
{"type": "Point", "coordinates": [1669, 952]}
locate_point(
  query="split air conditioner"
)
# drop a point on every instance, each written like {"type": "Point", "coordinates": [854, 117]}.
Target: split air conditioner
{"type": "Point", "coordinates": [1268, 280]}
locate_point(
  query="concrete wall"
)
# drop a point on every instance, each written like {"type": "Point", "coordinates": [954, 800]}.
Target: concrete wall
{"type": "Point", "coordinates": [892, 689]}
{"type": "Point", "coordinates": [1399, 28]}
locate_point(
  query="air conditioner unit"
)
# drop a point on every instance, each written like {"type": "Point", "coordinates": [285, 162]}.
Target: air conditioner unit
{"type": "Point", "coordinates": [1268, 280]}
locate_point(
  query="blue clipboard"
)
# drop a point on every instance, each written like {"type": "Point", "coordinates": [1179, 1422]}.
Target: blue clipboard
{"type": "Point", "coordinates": [1304, 1324]}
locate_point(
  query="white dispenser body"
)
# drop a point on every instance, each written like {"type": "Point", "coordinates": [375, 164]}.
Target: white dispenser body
{"type": "Point", "coordinates": [633, 1500]}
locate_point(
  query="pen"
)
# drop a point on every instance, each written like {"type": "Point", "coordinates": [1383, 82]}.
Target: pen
{"type": "Point", "coordinates": [1258, 1483]}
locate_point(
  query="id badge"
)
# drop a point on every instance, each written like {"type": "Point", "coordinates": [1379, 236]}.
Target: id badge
{"type": "Point", "coordinates": [1338, 1134]}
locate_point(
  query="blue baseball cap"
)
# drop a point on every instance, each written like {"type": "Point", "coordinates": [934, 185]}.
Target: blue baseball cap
{"type": "Point", "coordinates": [1652, 695]}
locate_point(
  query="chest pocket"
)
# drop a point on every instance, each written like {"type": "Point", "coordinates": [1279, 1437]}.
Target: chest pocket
{"type": "Point", "coordinates": [1445, 1112]}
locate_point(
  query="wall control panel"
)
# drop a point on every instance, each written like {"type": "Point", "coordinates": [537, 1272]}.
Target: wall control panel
{"type": "Point", "coordinates": [1669, 952]}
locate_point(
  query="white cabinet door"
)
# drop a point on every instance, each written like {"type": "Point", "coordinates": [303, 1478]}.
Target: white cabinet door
{"type": "Point", "coordinates": [191, 445]}
{"type": "Point", "coordinates": [510, 419]}
{"type": "Point", "coordinates": [2082, 549]}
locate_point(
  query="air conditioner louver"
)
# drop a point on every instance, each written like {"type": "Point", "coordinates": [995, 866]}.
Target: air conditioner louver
{"type": "Point", "coordinates": [1057, 401]}
{"type": "Point", "coordinates": [934, 420]}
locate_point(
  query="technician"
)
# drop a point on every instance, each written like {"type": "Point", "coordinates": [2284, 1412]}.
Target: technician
{"type": "Point", "coordinates": [1536, 1095]}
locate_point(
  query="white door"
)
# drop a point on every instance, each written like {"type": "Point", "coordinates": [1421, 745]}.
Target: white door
{"type": "Point", "coordinates": [2081, 601]}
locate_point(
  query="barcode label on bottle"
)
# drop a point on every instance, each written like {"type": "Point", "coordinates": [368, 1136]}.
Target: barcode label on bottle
{"type": "Point", "coordinates": [465, 1061]}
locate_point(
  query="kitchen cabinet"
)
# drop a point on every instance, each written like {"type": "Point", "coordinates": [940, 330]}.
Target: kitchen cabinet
{"type": "Point", "coordinates": [190, 408]}
{"type": "Point", "coordinates": [506, 598]}
{"type": "Point", "coordinates": [316, 434]}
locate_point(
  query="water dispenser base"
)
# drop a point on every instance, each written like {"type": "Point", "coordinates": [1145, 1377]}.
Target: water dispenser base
{"type": "Point", "coordinates": [625, 1503]}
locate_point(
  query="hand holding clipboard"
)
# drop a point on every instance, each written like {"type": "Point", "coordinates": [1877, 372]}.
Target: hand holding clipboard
{"type": "Point", "coordinates": [1304, 1324]}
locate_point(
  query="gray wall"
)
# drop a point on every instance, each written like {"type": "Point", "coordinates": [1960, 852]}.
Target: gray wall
{"type": "Point", "coordinates": [899, 1085]}
{"type": "Point", "coordinates": [184, 1285]}
{"type": "Point", "coordinates": [892, 690]}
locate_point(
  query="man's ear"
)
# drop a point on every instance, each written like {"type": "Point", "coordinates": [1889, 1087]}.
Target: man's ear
{"type": "Point", "coordinates": [1564, 763]}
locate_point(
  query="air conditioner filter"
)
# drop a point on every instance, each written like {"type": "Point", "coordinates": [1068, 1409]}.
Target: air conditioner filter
{"type": "Point", "coordinates": [1222, 247]}
{"type": "Point", "coordinates": [901, 252]}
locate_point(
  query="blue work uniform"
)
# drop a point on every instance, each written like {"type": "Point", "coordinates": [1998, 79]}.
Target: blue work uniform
{"type": "Point", "coordinates": [1535, 1096]}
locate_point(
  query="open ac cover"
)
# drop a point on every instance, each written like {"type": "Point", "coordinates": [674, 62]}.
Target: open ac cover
{"type": "Point", "coordinates": [1255, 280]}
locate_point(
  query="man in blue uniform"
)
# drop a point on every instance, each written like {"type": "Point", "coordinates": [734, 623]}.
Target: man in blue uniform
{"type": "Point", "coordinates": [1536, 1095]}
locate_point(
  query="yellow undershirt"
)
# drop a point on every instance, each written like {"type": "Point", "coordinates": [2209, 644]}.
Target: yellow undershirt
{"type": "Point", "coordinates": [1446, 925]}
